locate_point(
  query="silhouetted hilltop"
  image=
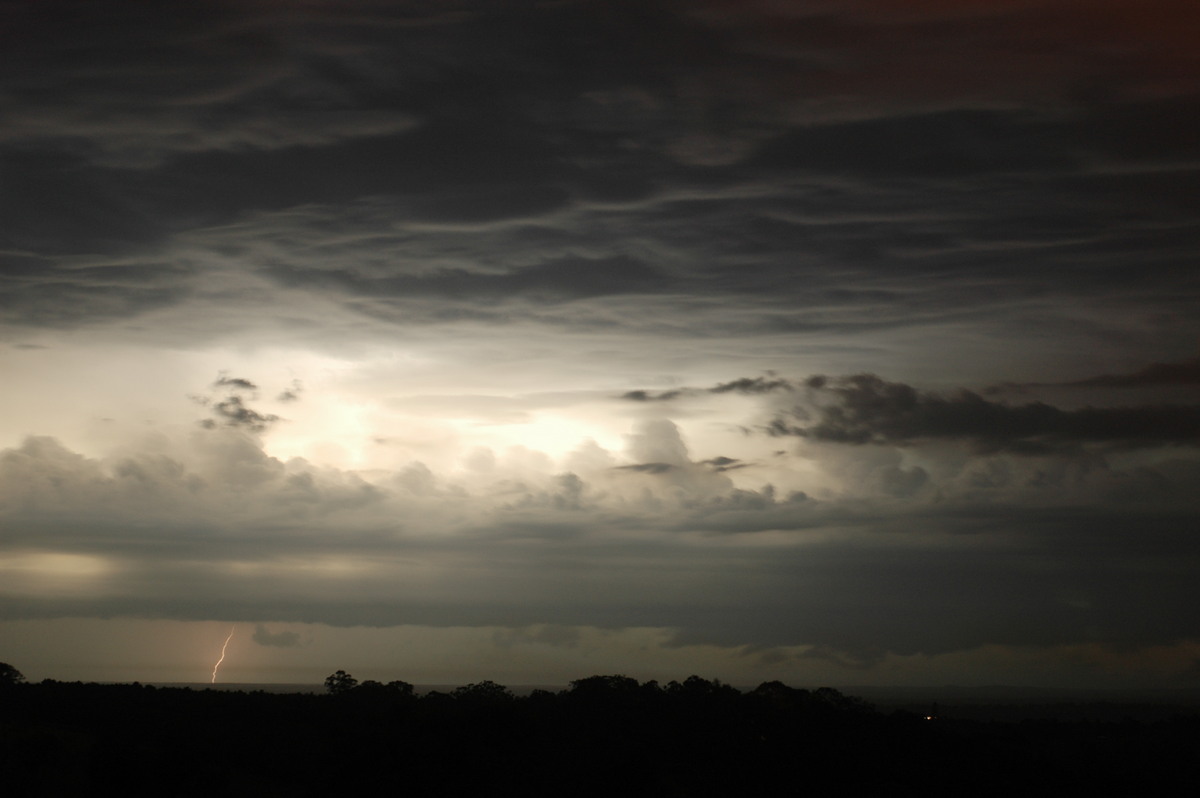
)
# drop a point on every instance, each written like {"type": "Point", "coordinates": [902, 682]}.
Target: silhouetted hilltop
{"type": "Point", "coordinates": [604, 735]}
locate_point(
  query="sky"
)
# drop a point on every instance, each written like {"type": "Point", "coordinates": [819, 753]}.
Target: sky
{"type": "Point", "coordinates": [829, 341]}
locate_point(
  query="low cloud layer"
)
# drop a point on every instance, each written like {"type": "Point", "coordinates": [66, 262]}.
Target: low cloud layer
{"type": "Point", "coordinates": [1181, 373]}
{"type": "Point", "coordinates": [1009, 544]}
{"type": "Point", "coordinates": [264, 637]}
{"type": "Point", "coordinates": [866, 409]}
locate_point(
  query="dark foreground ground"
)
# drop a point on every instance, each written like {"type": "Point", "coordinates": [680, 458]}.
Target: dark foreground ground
{"type": "Point", "coordinates": [606, 735]}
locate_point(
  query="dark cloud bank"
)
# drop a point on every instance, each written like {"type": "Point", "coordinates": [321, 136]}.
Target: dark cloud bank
{"type": "Point", "coordinates": [749, 168]}
{"type": "Point", "coordinates": [867, 409]}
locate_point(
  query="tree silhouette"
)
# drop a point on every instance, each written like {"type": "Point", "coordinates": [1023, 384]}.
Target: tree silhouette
{"type": "Point", "coordinates": [10, 675]}
{"type": "Point", "coordinates": [604, 685]}
{"type": "Point", "coordinates": [397, 687]}
{"type": "Point", "coordinates": [391, 691]}
{"type": "Point", "coordinates": [340, 682]}
{"type": "Point", "coordinates": [486, 690]}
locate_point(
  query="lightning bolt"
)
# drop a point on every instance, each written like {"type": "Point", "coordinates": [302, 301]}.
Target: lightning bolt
{"type": "Point", "coordinates": [222, 659]}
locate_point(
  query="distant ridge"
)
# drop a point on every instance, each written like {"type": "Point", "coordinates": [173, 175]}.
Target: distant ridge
{"type": "Point", "coordinates": [299, 687]}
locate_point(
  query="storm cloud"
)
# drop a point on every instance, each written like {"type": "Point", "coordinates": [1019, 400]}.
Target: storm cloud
{"type": "Point", "coordinates": [240, 535]}
{"type": "Point", "coordinates": [514, 308]}
{"type": "Point", "coordinates": [327, 151]}
{"type": "Point", "coordinates": [865, 409]}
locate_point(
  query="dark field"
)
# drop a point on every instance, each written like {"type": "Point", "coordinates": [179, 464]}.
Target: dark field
{"type": "Point", "coordinates": [605, 735]}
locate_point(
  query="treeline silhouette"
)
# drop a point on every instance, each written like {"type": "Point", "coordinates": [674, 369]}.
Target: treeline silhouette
{"type": "Point", "coordinates": [604, 735]}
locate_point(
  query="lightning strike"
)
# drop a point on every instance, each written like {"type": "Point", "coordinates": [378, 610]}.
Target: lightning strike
{"type": "Point", "coordinates": [222, 659]}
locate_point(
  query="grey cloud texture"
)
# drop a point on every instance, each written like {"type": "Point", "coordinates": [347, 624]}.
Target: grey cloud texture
{"type": "Point", "coordinates": [865, 409]}
{"type": "Point", "coordinates": [229, 405]}
{"type": "Point", "coordinates": [1183, 372]}
{"type": "Point", "coordinates": [237, 383]}
{"type": "Point", "coordinates": [742, 385]}
{"type": "Point", "coordinates": [762, 170]}
{"type": "Point", "coordinates": [752, 385]}
{"type": "Point", "coordinates": [996, 549]}
{"type": "Point", "coordinates": [292, 394]}
{"type": "Point", "coordinates": [264, 637]}
{"type": "Point", "coordinates": [1186, 372]}
{"type": "Point", "coordinates": [229, 82]}
{"type": "Point", "coordinates": [233, 411]}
